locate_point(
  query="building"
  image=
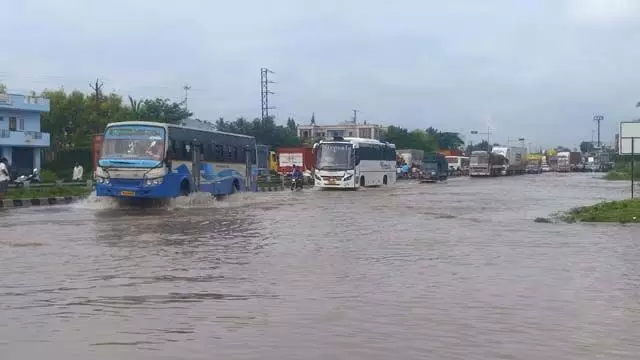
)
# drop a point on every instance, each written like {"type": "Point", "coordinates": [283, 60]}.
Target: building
{"type": "Point", "coordinates": [21, 141]}
{"type": "Point", "coordinates": [347, 129]}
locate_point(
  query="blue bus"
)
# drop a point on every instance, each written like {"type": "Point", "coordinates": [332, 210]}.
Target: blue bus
{"type": "Point", "coordinates": [154, 161]}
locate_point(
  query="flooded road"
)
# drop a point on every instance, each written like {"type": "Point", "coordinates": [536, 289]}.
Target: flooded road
{"type": "Point", "coordinates": [434, 271]}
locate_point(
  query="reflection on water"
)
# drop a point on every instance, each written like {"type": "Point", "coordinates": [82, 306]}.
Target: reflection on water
{"type": "Point", "coordinates": [456, 270]}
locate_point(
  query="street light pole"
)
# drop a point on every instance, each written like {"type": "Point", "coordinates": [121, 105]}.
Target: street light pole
{"type": "Point", "coordinates": [488, 133]}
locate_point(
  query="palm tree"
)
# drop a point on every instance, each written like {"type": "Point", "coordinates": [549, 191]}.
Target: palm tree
{"type": "Point", "coordinates": [136, 107]}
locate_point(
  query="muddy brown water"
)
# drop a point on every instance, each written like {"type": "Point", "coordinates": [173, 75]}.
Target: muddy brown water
{"type": "Point", "coordinates": [457, 270]}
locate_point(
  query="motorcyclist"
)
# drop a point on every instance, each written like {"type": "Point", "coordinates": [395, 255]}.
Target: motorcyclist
{"type": "Point", "coordinates": [296, 173]}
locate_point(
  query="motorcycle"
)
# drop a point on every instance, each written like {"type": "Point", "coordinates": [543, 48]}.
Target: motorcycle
{"type": "Point", "coordinates": [296, 183]}
{"type": "Point", "coordinates": [34, 176]}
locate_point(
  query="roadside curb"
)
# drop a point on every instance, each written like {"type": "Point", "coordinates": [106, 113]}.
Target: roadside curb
{"type": "Point", "coordinates": [11, 203]}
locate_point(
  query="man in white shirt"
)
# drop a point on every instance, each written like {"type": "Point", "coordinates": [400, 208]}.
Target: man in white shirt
{"type": "Point", "coordinates": [4, 177]}
{"type": "Point", "coordinates": [77, 172]}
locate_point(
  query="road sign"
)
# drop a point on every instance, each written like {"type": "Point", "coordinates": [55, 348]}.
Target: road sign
{"type": "Point", "coordinates": [629, 134]}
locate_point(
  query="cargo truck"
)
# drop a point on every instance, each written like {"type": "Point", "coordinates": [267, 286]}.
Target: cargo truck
{"type": "Point", "coordinates": [483, 163]}
{"type": "Point", "coordinates": [515, 159]}
{"type": "Point", "coordinates": [299, 156]}
{"type": "Point", "coordinates": [564, 165]}
{"type": "Point", "coordinates": [434, 168]}
{"type": "Point", "coordinates": [411, 157]}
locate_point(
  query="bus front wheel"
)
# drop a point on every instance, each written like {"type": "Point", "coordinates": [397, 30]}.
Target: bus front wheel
{"type": "Point", "coordinates": [184, 188]}
{"type": "Point", "coordinates": [362, 181]}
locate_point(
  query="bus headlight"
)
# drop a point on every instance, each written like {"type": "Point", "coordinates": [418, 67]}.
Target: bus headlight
{"type": "Point", "coordinates": [101, 176]}
{"type": "Point", "coordinates": [153, 182]}
{"type": "Point", "coordinates": [348, 177]}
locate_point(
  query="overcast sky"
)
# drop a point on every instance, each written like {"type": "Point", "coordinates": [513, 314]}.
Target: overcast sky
{"type": "Point", "coordinates": [537, 69]}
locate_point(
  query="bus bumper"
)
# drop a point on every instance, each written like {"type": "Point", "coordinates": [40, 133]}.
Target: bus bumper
{"type": "Point", "coordinates": [145, 192]}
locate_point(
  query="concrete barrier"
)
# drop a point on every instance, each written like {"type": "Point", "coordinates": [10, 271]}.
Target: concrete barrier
{"type": "Point", "coordinates": [12, 203]}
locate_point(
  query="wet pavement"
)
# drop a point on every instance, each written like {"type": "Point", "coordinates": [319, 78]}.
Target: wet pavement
{"type": "Point", "coordinates": [421, 271]}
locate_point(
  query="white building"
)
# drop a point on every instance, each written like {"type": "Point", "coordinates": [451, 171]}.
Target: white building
{"type": "Point", "coordinates": [350, 129]}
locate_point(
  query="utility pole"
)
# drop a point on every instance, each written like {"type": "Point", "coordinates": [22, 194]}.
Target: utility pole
{"type": "Point", "coordinates": [97, 88]}
{"type": "Point", "coordinates": [264, 91]}
{"type": "Point", "coordinates": [186, 89]}
{"type": "Point", "coordinates": [355, 116]}
{"type": "Point", "coordinates": [597, 119]}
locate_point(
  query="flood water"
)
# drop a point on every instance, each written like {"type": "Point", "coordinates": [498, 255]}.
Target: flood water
{"type": "Point", "coordinates": [419, 271]}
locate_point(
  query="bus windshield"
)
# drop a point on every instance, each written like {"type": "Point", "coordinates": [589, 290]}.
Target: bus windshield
{"type": "Point", "coordinates": [136, 142]}
{"type": "Point", "coordinates": [334, 156]}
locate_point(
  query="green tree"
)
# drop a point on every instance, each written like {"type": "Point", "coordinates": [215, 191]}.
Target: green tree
{"type": "Point", "coordinates": [3, 88]}
{"type": "Point", "coordinates": [163, 110]}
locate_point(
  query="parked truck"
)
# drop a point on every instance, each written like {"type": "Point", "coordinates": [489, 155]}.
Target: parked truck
{"type": "Point", "coordinates": [411, 157]}
{"type": "Point", "coordinates": [483, 163]}
{"type": "Point", "coordinates": [515, 159]}
{"type": "Point", "coordinates": [299, 156]}
{"type": "Point", "coordinates": [564, 164]}
{"type": "Point", "coordinates": [434, 167]}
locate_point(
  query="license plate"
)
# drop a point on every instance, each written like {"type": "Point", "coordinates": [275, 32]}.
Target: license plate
{"type": "Point", "coordinates": [331, 182]}
{"type": "Point", "coordinates": [127, 193]}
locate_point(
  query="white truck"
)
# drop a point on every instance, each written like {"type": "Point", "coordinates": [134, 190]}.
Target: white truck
{"type": "Point", "coordinates": [412, 157]}
{"type": "Point", "coordinates": [564, 165]}
{"type": "Point", "coordinates": [516, 159]}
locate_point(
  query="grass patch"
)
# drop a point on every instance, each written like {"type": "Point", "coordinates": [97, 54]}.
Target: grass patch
{"type": "Point", "coordinates": [624, 211]}
{"type": "Point", "coordinates": [49, 192]}
{"type": "Point", "coordinates": [618, 175]}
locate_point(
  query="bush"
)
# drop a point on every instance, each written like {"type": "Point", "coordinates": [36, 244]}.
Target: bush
{"type": "Point", "coordinates": [48, 176]}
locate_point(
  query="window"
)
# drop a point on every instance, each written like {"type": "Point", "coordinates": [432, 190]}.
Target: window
{"type": "Point", "coordinates": [13, 124]}
{"type": "Point", "coordinates": [20, 124]}
{"type": "Point", "coordinates": [219, 155]}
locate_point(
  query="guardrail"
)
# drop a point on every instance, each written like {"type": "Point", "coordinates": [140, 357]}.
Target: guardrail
{"type": "Point", "coordinates": [37, 185]}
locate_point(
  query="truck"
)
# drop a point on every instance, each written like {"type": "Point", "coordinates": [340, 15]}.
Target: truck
{"type": "Point", "coordinates": [411, 157]}
{"type": "Point", "coordinates": [434, 167]}
{"type": "Point", "coordinates": [564, 165]}
{"type": "Point", "coordinates": [515, 159]}
{"type": "Point", "coordinates": [300, 156]}
{"type": "Point", "coordinates": [484, 163]}
{"type": "Point", "coordinates": [575, 160]}
{"type": "Point", "coordinates": [96, 150]}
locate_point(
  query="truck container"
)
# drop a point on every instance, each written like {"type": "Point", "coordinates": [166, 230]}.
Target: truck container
{"type": "Point", "coordinates": [412, 157]}
{"type": "Point", "coordinates": [483, 163]}
{"type": "Point", "coordinates": [300, 156]}
{"type": "Point", "coordinates": [515, 159]}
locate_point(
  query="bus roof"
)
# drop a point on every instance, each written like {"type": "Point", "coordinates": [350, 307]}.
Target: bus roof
{"type": "Point", "coordinates": [166, 126]}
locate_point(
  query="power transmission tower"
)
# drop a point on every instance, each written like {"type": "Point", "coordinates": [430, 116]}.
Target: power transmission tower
{"type": "Point", "coordinates": [264, 91]}
{"type": "Point", "coordinates": [186, 88]}
{"type": "Point", "coordinates": [597, 119]}
{"type": "Point", "coordinates": [355, 116]}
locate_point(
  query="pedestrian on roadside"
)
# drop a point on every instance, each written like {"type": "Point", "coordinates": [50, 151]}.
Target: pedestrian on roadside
{"type": "Point", "coordinates": [4, 177]}
{"type": "Point", "coordinates": [77, 172]}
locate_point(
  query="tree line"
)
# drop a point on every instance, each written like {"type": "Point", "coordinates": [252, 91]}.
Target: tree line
{"type": "Point", "coordinates": [76, 116]}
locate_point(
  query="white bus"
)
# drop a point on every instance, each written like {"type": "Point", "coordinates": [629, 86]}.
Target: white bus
{"type": "Point", "coordinates": [350, 163]}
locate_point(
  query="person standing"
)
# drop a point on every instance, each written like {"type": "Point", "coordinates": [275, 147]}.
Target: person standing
{"type": "Point", "coordinates": [4, 177]}
{"type": "Point", "coordinates": [77, 172]}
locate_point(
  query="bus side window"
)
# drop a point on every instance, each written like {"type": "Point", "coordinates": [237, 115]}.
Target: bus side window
{"type": "Point", "coordinates": [209, 152]}
{"type": "Point", "coordinates": [185, 153]}
{"type": "Point", "coordinates": [356, 156]}
{"type": "Point", "coordinates": [219, 153]}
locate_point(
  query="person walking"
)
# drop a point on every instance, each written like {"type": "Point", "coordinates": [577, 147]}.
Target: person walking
{"type": "Point", "coordinates": [4, 177]}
